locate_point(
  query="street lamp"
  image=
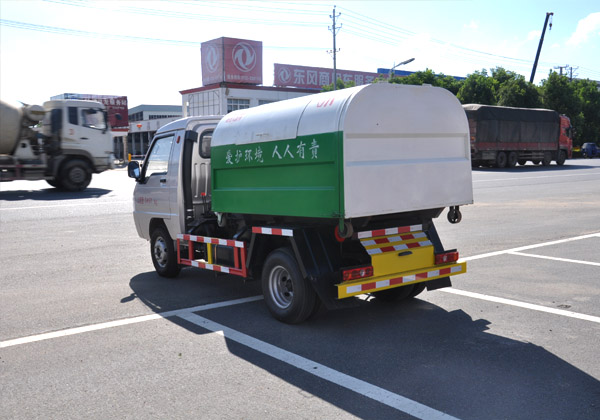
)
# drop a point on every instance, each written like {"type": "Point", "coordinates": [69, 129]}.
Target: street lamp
{"type": "Point", "coordinates": [391, 73]}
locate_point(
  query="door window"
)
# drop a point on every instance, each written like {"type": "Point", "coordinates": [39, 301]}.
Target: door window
{"type": "Point", "coordinates": [158, 159]}
{"type": "Point", "coordinates": [205, 140]}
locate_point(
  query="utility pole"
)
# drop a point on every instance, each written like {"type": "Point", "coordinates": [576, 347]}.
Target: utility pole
{"type": "Point", "coordinates": [560, 68]}
{"type": "Point", "coordinates": [334, 30]}
{"type": "Point", "coordinates": [537, 56]}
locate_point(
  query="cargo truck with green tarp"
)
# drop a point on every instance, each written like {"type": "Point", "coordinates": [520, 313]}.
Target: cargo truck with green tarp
{"type": "Point", "coordinates": [503, 136]}
{"type": "Point", "coordinates": [322, 197]}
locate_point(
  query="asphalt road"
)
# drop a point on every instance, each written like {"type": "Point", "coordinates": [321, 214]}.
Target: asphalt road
{"type": "Point", "coordinates": [88, 330]}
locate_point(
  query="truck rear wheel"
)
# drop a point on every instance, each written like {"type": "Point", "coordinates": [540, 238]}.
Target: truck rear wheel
{"type": "Point", "coordinates": [512, 159]}
{"type": "Point", "coordinates": [547, 159]}
{"type": "Point", "coordinates": [75, 175]}
{"type": "Point", "coordinates": [289, 297]}
{"type": "Point", "coordinates": [162, 249]}
{"type": "Point", "coordinates": [501, 160]}
{"type": "Point", "coordinates": [54, 182]}
{"type": "Point", "coordinates": [400, 293]}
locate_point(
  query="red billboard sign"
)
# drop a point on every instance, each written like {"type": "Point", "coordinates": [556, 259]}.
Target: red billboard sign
{"type": "Point", "coordinates": [316, 77]}
{"type": "Point", "coordinates": [114, 106]}
{"type": "Point", "coordinates": [231, 60]}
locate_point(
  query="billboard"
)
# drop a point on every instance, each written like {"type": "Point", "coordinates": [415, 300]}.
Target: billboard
{"type": "Point", "coordinates": [316, 77]}
{"type": "Point", "coordinates": [231, 60]}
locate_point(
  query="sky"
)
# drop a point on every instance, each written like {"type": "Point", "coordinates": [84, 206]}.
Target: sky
{"type": "Point", "coordinates": [149, 51]}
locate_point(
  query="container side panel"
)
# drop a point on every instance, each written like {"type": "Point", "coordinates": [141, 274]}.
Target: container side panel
{"type": "Point", "coordinates": [405, 174]}
{"type": "Point", "coordinates": [296, 177]}
{"type": "Point", "coordinates": [406, 148]}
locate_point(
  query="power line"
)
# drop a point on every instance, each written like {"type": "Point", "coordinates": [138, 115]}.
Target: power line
{"type": "Point", "coordinates": [90, 34]}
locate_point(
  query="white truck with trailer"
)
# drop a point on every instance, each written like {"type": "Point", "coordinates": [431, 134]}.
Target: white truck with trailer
{"type": "Point", "coordinates": [322, 197]}
{"type": "Point", "coordinates": [73, 142]}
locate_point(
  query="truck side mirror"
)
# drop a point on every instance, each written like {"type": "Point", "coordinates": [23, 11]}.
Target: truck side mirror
{"type": "Point", "coordinates": [133, 170]}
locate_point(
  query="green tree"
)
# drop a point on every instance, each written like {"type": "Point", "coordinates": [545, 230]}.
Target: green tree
{"type": "Point", "coordinates": [339, 85]}
{"type": "Point", "coordinates": [589, 100]}
{"type": "Point", "coordinates": [558, 93]}
{"type": "Point", "coordinates": [478, 88]}
{"type": "Point", "coordinates": [519, 93]}
{"type": "Point", "coordinates": [431, 78]}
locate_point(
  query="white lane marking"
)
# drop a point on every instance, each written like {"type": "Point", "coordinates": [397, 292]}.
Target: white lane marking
{"type": "Point", "coordinates": [66, 205]}
{"type": "Point", "coordinates": [534, 177]}
{"type": "Point", "coordinates": [524, 248]}
{"type": "Point", "coordinates": [544, 257]}
{"type": "Point", "coordinates": [525, 305]}
{"type": "Point", "coordinates": [121, 322]}
{"type": "Point", "coordinates": [366, 389]}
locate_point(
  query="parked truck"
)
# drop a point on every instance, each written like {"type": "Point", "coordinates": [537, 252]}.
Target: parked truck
{"type": "Point", "coordinates": [504, 136]}
{"type": "Point", "coordinates": [63, 142]}
{"type": "Point", "coordinates": [322, 198]}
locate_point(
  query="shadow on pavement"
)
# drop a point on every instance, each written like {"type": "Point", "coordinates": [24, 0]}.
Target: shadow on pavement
{"type": "Point", "coordinates": [52, 194]}
{"type": "Point", "coordinates": [536, 168]}
{"type": "Point", "coordinates": [444, 359]}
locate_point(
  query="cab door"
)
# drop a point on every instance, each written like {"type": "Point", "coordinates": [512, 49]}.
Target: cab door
{"type": "Point", "coordinates": [153, 192]}
{"type": "Point", "coordinates": [86, 129]}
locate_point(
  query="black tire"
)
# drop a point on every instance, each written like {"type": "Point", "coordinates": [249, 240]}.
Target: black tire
{"type": "Point", "coordinates": [54, 183]}
{"type": "Point", "coordinates": [396, 294]}
{"type": "Point", "coordinates": [75, 175]}
{"type": "Point", "coordinates": [501, 160]}
{"type": "Point", "coordinates": [535, 161]}
{"type": "Point", "coordinates": [418, 288]}
{"type": "Point", "coordinates": [162, 249]}
{"type": "Point", "coordinates": [512, 159]}
{"type": "Point", "coordinates": [562, 157]}
{"type": "Point", "coordinates": [547, 159]}
{"type": "Point", "coordinates": [522, 162]}
{"type": "Point", "coordinates": [289, 297]}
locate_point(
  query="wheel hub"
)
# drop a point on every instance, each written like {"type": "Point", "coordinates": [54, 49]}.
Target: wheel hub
{"type": "Point", "coordinates": [281, 287]}
{"type": "Point", "coordinates": [160, 252]}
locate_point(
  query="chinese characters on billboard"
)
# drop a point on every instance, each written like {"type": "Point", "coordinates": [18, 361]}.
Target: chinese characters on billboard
{"type": "Point", "coordinates": [316, 77]}
{"type": "Point", "coordinates": [231, 60]}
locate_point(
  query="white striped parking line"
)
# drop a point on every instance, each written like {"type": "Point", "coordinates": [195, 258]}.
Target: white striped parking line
{"type": "Point", "coordinates": [544, 257]}
{"type": "Point", "coordinates": [525, 305]}
{"type": "Point", "coordinates": [524, 248]}
{"type": "Point", "coordinates": [121, 322]}
{"type": "Point", "coordinates": [366, 389]}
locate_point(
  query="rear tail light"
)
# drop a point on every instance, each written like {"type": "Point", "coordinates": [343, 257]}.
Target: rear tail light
{"type": "Point", "coordinates": [357, 273]}
{"type": "Point", "coordinates": [446, 257]}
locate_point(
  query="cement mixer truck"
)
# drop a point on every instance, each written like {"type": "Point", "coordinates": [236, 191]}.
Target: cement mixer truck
{"type": "Point", "coordinates": [63, 142]}
{"type": "Point", "coordinates": [322, 198]}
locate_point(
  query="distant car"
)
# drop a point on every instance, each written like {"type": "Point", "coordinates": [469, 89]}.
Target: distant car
{"type": "Point", "coordinates": [590, 150]}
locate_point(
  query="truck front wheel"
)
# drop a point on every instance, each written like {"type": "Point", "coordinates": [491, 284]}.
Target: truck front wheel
{"type": "Point", "coordinates": [75, 175]}
{"type": "Point", "coordinates": [163, 253]}
{"type": "Point", "coordinates": [289, 297]}
{"type": "Point", "coordinates": [562, 157]}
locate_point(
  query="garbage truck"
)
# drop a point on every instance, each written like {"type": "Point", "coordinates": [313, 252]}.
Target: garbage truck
{"type": "Point", "coordinates": [63, 142]}
{"type": "Point", "coordinates": [320, 198]}
{"type": "Point", "coordinates": [503, 136]}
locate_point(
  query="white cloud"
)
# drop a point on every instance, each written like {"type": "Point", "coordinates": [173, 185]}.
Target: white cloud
{"type": "Point", "coordinates": [534, 35]}
{"type": "Point", "coordinates": [588, 26]}
{"type": "Point", "coordinates": [471, 25]}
